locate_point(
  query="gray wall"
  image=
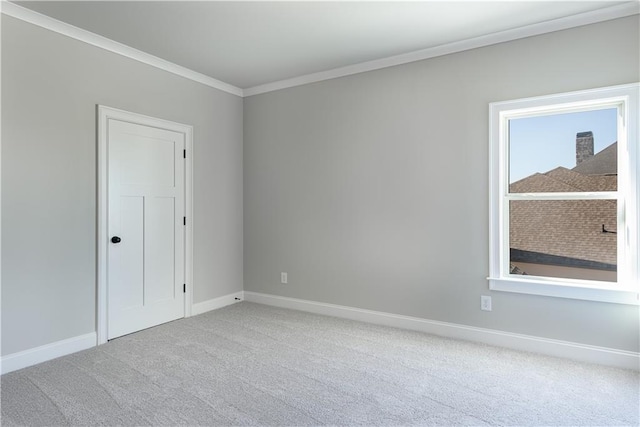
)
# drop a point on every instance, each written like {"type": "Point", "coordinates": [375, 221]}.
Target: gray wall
{"type": "Point", "coordinates": [50, 87]}
{"type": "Point", "coordinates": [371, 190]}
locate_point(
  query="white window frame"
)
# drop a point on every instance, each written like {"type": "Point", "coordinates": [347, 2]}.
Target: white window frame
{"type": "Point", "coordinates": [626, 290]}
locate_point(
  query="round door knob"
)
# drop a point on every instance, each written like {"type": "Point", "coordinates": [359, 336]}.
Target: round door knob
{"type": "Point", "coordinates": [116, 239]}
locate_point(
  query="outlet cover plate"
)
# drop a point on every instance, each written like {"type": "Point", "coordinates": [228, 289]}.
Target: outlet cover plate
{"type": "Point", "coordinates": [485, 302]}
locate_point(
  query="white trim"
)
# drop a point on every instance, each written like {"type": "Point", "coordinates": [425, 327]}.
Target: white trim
{"type": "Point", "coordinates": [606, 14]}
{"type": "Point", "coordinates": [570, 289]}
{"type": "Point", "coordinates": [188, 212]}
{"type": "Point", "coordinates": [44, 21]}
{"type": "Point", "coordinates": [216, 303]}
{"type": "Point", "coordinates": [33, 356]}
{"type": "Point", "coordinates": [104, 114]}
{"type": "Point", "coordinates": [550, 347]}
{"type": "Point", "coordinates": [1, 6]}
{"type": "Point", "coordinates": [626, 290]}
{"type": "Point", "coordinates": [586, 18]}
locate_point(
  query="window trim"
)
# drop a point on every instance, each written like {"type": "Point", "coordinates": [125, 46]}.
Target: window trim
{"type": "Point", "coordinates": [627, 290]}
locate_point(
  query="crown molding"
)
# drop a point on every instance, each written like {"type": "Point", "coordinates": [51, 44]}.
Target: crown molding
{"type": "Point", "coordinates": [35, 18]}
{"type": "Point", "coordinates": [586, 18]}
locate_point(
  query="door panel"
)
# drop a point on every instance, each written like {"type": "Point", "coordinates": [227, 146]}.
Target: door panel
{"type": "Point", "coordinates": [145, 272]}
{"type": "Point", "coordinates": [147, 161]}
{"type": "Point", "coordinates": [126, 283]}
{"type": "Point", "coordinates": [159, 254]}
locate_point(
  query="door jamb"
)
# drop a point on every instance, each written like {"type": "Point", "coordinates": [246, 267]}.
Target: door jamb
{"type": "Point", "coordinates": [104, 114]}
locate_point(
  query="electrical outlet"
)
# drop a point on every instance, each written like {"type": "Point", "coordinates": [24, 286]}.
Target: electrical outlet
{"type": "Point", "coordinates": [283, 278]}
{"type": "Point", "coordinates": [485, 303]}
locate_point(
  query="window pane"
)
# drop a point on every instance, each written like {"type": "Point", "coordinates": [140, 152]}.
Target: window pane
{"type": "Point", "coordinates": [573, 239]}
{"type": "Point", "coordinates": [571, 152]}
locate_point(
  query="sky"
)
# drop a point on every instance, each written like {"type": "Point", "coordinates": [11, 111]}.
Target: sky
{"type": "Point", "coordinates": [539, 144]}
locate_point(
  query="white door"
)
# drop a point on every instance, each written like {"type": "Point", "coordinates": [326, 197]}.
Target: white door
{"type": "Point", "coordinates": [145, 255]}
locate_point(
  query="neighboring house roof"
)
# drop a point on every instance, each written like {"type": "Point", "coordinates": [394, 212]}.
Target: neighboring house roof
{"type": "Point", "coordinates": [567, 232]}
{"type": "Point", "coordinates": [604, 162]}
{"type": "Point", "coordinates": [564, 180]}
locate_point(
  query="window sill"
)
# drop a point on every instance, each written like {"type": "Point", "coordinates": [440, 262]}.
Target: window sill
{"type": "Point", "coordinates": [564, 290]}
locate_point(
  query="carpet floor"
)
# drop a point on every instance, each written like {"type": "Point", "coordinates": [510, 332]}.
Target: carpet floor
{"type": "Point", "coordinates": [250, 364]}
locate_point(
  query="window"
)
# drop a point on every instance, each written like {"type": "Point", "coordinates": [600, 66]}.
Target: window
{"type": "Point", "coordinates": [564, 195]}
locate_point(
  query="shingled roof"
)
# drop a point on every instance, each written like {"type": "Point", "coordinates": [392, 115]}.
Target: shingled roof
{"type": "Point", "coordinates": [562, 179]}
{"type": "Point", "coordinates": [567, 232]}
{"type": "Point", "coordinates": [603, 163]}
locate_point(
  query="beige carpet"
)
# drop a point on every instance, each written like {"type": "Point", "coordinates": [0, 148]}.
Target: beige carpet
{"type": "Point", "coordinates": [250, 364]}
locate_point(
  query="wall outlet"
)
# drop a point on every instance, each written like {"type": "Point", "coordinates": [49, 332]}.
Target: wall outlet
{"type": "Point", "coordinates": [485, 302]}
{"type": "Point", "coordinates": [283, 278]}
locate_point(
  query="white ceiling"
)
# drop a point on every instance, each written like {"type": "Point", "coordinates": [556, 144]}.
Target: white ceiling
{"type": "Point", "coordinates": [247, 44]}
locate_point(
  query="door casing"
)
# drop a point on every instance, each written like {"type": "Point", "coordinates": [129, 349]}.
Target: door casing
{"type": "Point", "coordinates": [104, 115]}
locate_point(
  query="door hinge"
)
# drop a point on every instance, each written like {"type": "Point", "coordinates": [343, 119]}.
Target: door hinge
{"type": "Point", "coordinates": [184, 154]}
{"type": "Point", "coordinates": [184, 220]}
{"type": "Point", "coordinates": [184, 288]}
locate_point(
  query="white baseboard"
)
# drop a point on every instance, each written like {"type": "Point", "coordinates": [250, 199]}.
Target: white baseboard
{"type": "Point", "coordinates": [23, 359]}
{"type": "Point", "coordinates": [550, 347]}
{"type": "Point", "coordinates": [215, 303]}
{"type": "Point", "coordinates": [33, 356]}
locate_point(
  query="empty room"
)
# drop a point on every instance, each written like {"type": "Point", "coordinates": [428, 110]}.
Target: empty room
{"type": "Point", "coordinates": [320, 213]}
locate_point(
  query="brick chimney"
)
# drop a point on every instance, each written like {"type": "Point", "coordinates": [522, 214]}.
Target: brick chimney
{"type": "Point", "coordinates": [584, 146]}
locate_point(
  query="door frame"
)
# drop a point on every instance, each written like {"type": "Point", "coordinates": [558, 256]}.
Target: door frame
{"type": "Point", "coordinates": [104, 114]}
